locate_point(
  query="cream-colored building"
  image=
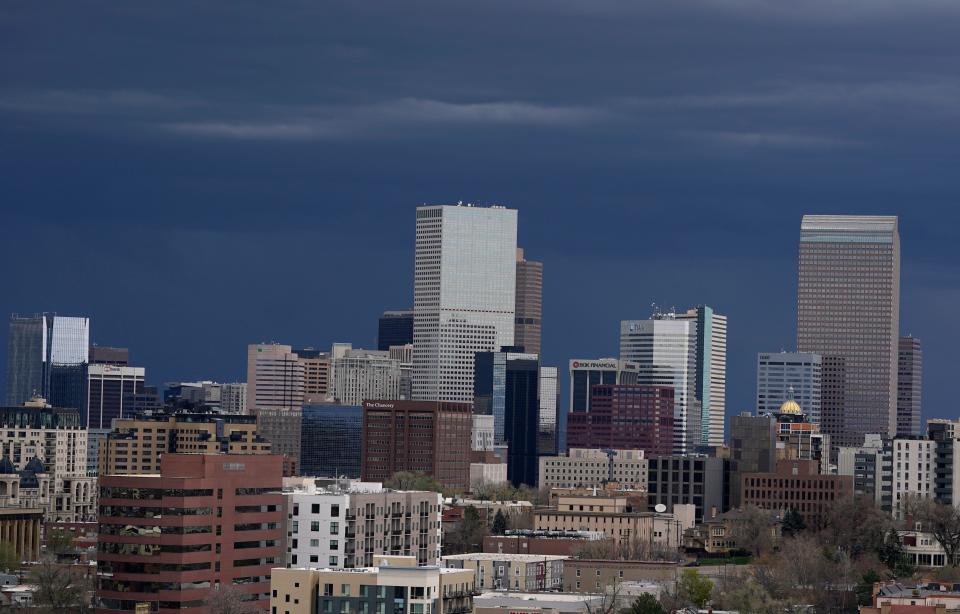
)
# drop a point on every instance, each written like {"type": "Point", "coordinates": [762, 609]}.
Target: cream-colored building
{"type": "Point", "coordinates": [521, 572]}
{"type": "Point", "coordinates": [615, 517]}
{"type": "Point", "coordinates": [136, 445]}
{"type": "Point", "coordinates": [586, 467]}
{"type": "Point", "coordinates": [395, 586]}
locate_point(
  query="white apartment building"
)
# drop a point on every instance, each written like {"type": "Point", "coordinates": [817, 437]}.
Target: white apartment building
{"type": "Point", "coordinates": [464, 295]}
{"type": "Point", "coordinates": [587, 468]}
{"type": "Point", "coordinates": [360, 375]}
{"type": "Point", "coordinates": [789, 376]}
{"type": "Point", "coordinates": [347, 526]}
{"type": "Point", "coordinates": [914, 464]}
{"type": "Point", "coordinates": [233, 398]}
{"type": "Point", "coordinates": [665, 352]}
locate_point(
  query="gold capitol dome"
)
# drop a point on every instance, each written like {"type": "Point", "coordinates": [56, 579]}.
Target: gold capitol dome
{"type": "Point", "coordinates": [790, 406]}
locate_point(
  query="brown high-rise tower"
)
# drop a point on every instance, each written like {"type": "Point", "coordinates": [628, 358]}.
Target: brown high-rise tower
{"type": "Point", "coordinates": [529, 306]}
{"type": "Point", "coordinates": [848, 310]}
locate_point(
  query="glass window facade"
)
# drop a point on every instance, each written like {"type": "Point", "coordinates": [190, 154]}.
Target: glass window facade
{"type": "Point", "coordinates": [330, 440]}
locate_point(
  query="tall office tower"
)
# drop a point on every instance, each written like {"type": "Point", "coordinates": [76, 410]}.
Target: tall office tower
{"type": "Point", "coordinates": [275, 377]}
{"type": "Point", "coordinates": [110, 394]}
{"type": "Point", "coordinates": [625, 417]}
{"type": "Point", "coordinates": [909, 386]}
{"type": "Point", "coordinates": [529, 305]}
{"type": "Point", "coordinates": [394, 328]}
{"type": "Point", "coordinates": [330, 440]}
{"type": "Point", "coordinates": [789, 376]}
{"type": "Point", "coordinates": [363, 375]}
{"type": "Point", "coordinates": [549, 411]}
{"type": "Point", "coordinates": [665, 351]}
{"type": "Point", "coordinates": [317, 375]}
{"type": "Point", "coordinates": [238, 494]}
{"type": "Point", "coordinates": [753, 449]}
{"type": "Point", "coordinates": [430, 437]}
{"type": "Point", "coordinates": [233, 398]}
{"type": "Point", "coordinates": [104, 355]}
{"type": "Point", "coordinates": [584, 374]}
{"type": "Point", "coordinates": [710, 384]}
{"type": "Point", "coordinates": [506, 386]}
{"type": "Point", "coordinates": [40, 345]}
{"type": "Point", "coordinates": [404, 355]}
{"type": "Point", "coordinates": [464, 295]}
{"type": "Point", "coordinates": [848, 311]}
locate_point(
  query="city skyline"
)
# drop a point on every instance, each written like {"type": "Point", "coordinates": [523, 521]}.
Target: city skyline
{"type": "Point", "coordinates": [745, 388]}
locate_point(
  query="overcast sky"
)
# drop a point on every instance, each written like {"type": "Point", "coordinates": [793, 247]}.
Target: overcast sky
{"type": "Point", "coordinates": [196, 176]}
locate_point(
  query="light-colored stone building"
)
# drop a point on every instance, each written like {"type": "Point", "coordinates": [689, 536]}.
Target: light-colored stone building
{"type": "Point", "coordinates": [521, 572]}
{"type": "Point", "coordinates": [584, 467]}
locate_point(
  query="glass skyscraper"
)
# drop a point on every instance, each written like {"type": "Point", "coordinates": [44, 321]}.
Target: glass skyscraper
{"type": "Point", "coordinates": [464, 295]}
{"type": "Point", "coordinates": [37, 347]}
{"type": "Point", "coordinates": [794, 376]}
{"type": "Point", "coordinates": [330, 440]}
{"type": "Point", "coordinates": [848, 311]}
{"type": "Point", "coordinates": [710, 385]}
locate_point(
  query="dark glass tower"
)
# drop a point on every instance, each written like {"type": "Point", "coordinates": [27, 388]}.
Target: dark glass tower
{"type": "Point", "coordinates": [395, 328]}
{"type": "Point", "coordinates": [330, 440]}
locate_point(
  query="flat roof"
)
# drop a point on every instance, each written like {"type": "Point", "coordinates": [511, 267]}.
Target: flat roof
{"type": "Point", "coordinates": [496, 556]}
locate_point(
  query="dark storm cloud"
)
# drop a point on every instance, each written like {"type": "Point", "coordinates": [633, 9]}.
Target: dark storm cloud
{"type": "Point", "coordinates": [200, 175]}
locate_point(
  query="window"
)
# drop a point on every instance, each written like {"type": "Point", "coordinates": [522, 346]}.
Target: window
{"type": "Point", "coordinates": [333, 561]}
{"type": "Point", "coordinates": [334, 528]}
{"type": "Point", "coordinates": [334, 544]}
{"type": "Point", "coordinates": [315, 508]}
{"type": "Point", "coordinates": [314, 525]}
{"type": "Point", "coordinates": [345, 589]}
{"type": "Point", "coordinates": [335, 511]}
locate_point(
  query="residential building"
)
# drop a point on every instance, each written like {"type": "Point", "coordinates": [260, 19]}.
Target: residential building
{"type": "Point", "coordinates": [710, 378]}
{"type": "Point", "coordinates": [395, 328]}
{"type": "Point", "coordinates": [848, 311]}
{"type": "Point", "coordinates": [430, 437]}
{"type": "Point", "coordinates": [871, 467]}
{"type": "Point", "coordinates": [520, 572]}
{"type": "Point", "coordinates": [547, 436]}
{"type": "Point", "coordinates": [363, 375]}
{"type": "Point", "coordinates": [529, 541]}
{"type": "Point", "coordinates": [909, 385]}
{"type": "Point", "coordinates": [529, 304]}
{"type": "Point", "coordinates": [205, 520]}
{"type": "Point", "coordinates": [753, 449]}
{"type": "Point", "coordinates": [136, 446]}
{"type": "Point", "coordinates": [482, 433]}
{"type": "Point", "coordinates": [506, 385]}
{"type": "Point", "coordinates": [798, 485]}
{"type": "Point", "coordinates": [487, 473]}
{"type": "Point", "coordinates": [396, 585]}
{"type": "Point", "coordinates": [46, 447]}
{"type": "Point", "coordinates": [275, 377]}
{"type": "Point", "coordinates": [622, 522]}
{"type": "Point", "coordinates": [37, 347]}
{"type": "Point", "coordinates": [921, 548]}
{"type": "Point", "coordinates": [329, 440]}
{"type": "Point", "coordinates": [700, 481]}
{"type": "Point", "coordinates": [913, 471]}
{"type": "Point", "coordinates": [665, 351]}
{"type": "Point", "coordinates": [626, 416]}
{"type": "Point", "coordinates": [783, 376]}
{"type": "Point", "coordinates": [233, 398]}
{"type": "Point", "coordinates": [946, 434]}
{"type": "Point", "coordinates": [587, 468]}
{"type": "Point", "coordinates": [464, 295]}
{"type": "Point", "coordinates": [110, 391]}
{"type": "Point", "coordinates": [597, 575]}
{"type": "Point", "coordinates": [721, 534]}
{"type": "Point", "coordinates": [353, 524]}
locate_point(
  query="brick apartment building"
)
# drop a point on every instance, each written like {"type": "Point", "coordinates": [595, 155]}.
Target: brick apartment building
{"type": "Point", "coordinates": [429, 437]}
{"type": "Point", "coordinates": [206, 520]}
{"type": "Point", "coordinates": [796, 484]}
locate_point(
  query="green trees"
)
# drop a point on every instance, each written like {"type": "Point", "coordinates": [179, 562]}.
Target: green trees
{"type": "Point", "coordinates": [468, 536]}
{"type": "Point", "coordinates": [645, 604]}
{"type": "Point", "coordinates": [408, 480]}
{"type": "Point", "coordinates": [694, 589]}
{"type": "Point", "coordinates": [500, 524]}
{"type": "Point", "coordinates": [9, 561]}
{"type": "Point", "coordinates": [793, 523]}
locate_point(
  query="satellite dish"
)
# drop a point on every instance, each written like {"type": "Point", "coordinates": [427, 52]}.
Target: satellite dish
{"type": "Point", "coordinates": [660, 508]}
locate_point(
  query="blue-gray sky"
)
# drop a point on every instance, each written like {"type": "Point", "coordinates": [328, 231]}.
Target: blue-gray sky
{"type": "Point", "coordinates": [199, 175]}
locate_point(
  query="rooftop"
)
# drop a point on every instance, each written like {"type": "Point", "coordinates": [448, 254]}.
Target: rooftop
{"type": "Point", "coordinates": [495, 556]}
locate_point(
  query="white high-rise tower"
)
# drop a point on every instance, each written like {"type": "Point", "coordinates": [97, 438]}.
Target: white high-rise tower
{"type": "Point", "coordinates": [464, 295]}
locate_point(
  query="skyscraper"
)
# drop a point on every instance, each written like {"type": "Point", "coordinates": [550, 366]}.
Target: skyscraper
{"type": "Point", "coordinates": [547, 436]}
{"type": "Point", "coordinates": [507, 386]}
{"type": "Point", "coordinates": [584, 374]}
{"type": "Point", "coordinates": [110, 394]}
{"type": "Point", "coordinates": [464, 295]}
{"type": "Point", "coordinates": [359, 375]}
{"type": "Point", "coordinates": [36, 347]}
{"type": "Point", "coordinates": [330, 440]}
{"type": "Point", "coordinates": [848, 310]}
{"type": "Point", "coordinates": [529, 304]}
{"type": "Point", "coordinates": [625, 417]}
{"type": "Point", "coordinates": [394, 328]}
{"type": "Point", "coordinates": [789, 376]}
{"type": "Point", "coordinates": [710, 383]}
{"type": "Point", "coordinates": [909, 386]}
{"type": "Point", "coordinates": [275, 377]}
{"type": "Point", "coordinates": [665, 351]}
